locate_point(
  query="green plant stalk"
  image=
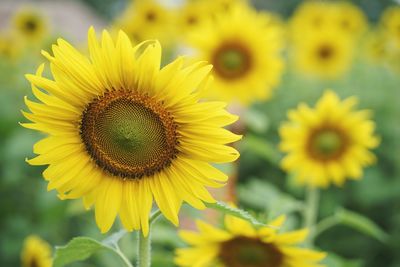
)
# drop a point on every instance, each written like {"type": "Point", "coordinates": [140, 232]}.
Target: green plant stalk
{"type": "Point", "coordinates": [144, 250]}
{"type": "Point", "coordinates": [311, 213]}
{"type": "Point", "coordinates": [144, 243]}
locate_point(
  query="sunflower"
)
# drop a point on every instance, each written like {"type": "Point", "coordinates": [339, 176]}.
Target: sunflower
{"type": "Point", "coordinates": [143, 20]}
{"type": "Point", "coordinates": [350, 19]}
{"type": "Point", "coordinates": [390, 28]}
{"type": "Point", "coordinates": [241, 245]}
{"type": "Point", "coordinates": [311, 15]}
{"type": "Point", "coordinates": [328, 143]}
{"type": "Point", "coordinates": [30, 25]}
{"type": "Point", "coordinates": [245, 52]}
{"type": "Point", "coordinates": [36, 253]}
{"type": "Point", "coordinates": [324, 54]}
{"type": "Point", "coordinates": [122, 131]}
{"type": "Point", "coordinates": [390, 22]}
{"type": "Point", "coordinates": [191, 15]}
{"type": "Point", "coordinates": [9, 46]}
{"type": "Point", "coordinates": [317, 16]}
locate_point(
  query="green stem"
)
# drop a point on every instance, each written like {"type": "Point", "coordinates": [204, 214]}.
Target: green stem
{"type": "Point", "coordinates": [123, 257]}
{"type": "Point", "coordinates": [311, 212]}
{"type": "Point", "coordinates": [325, 224]}
{"type": "Point", "coordinates": [144, 243]}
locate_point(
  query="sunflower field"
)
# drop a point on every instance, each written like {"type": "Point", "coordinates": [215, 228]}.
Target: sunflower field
{"type": "Point", "coordinates": [200, 133]}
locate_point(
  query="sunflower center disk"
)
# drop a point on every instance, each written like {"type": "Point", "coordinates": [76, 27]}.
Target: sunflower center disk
{"type": "Point", "coordinates": [30, 25]}
{"type": "Point", "coordinates": [325, 52]}
{"type": "Point", "coordinates": [327, 144]}
{"type": "Point", "coordinates": [249, 252]}
{"type": "Point", "coordinates": [129, 135]}
{"type": "Point", "coordinates": [231, 61]}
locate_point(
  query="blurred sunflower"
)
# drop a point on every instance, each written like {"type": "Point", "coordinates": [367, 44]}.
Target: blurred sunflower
{"type": "Point", "coordinates": [9, 46]}
{"type": "Point", "coordinates": [328, 143]}
{"type": "Point", "coordinates": [30, 25]}
{"type": "Point", "coordinates": [122, 131]}
{"type": "Point", "coordinates": [191, 15]}
{"type": "Point", "coordinates": [310, 16]}
{"type": "Point", "coordinates": [245, 52]}
{"type": "Point", "coordinates": [350, 19]}
{"type": "Point", "coordinates": [390, 27]}
{"type": "Point", "coordinates": [242, 245]}
{"type": "Point", "coordinates": [390, 22]}
{"type": "Point", "coordinates": [374, 47]}
{"type": "Point", "coordinates": [326, 54]}
{"type": "Point", "coordinates": [36, 253]}
{"type": "Point", "coordinates": [147, 19]}
{"type": "Point", "coordinates": [315, 16]}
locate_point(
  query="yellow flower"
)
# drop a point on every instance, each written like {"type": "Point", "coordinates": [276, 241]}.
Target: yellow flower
{"type": "Point", "coordinates": [324, 54]}
{"type": "Point", "coordinates": [390, 22]}
{"type": "Point", "coordinates": [191, 15]}
{"type": "Point", "coordinates": [122, 131]}
{"type": "Point", "coordinates": [36, 253]}
{"type": "Point", "coordinates": [349, 18]}
{"type": "Point", "coordinates": [374, 47]}
{"type": "Point", "coordinates": [328, 143]}
{"type": "Point", "coordinates": [313, 17]}
{"type": "Point", "coordinates": [143, 20]}
{"type": "Point", "coordinates": [240, 244]}
{"type": "Point", "coordinates": [30, 25]}
{"type": "Point", "coordinates": [390, 25]}
{"type": "Point", "coordinates": [245, 52]}
{"type": "Point", "coordinates": [9, 46]}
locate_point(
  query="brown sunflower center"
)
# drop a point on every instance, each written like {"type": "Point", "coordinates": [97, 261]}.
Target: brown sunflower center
{"type": "Point", "coordinates": [30, 25]}
{"type": "Point", "coordinates": [151, 16]}
{"type": "Point", "coordinates": [128, 134]}
{"type": "Point", "coordinates": [231, 61]}
{"type": "Point", "coordinates": [33, 262]}
{"type": "Point", "coordinates": [249, 252]}
{"type": "Point", "coordinates": [327, 144]}
{"type": "Point", "coordinates": [325, 52]}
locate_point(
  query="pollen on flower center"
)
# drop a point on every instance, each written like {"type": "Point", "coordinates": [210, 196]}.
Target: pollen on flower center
{"type": "Point", "coordinates": [128, 134]}
{"type": "Point", "coordinates": [231, 61]}
{"type": "Point", "coordinates": [326, 144]}
{"type": "Point", "coordinates": [245, 251]}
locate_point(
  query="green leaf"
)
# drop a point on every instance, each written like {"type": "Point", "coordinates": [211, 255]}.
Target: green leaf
{"type": "Point", "coordinates": [264, 196]}
{"type": "Point", "coordinates": [256, 120]}
{"type": "Point", "coordinates": [78, 249]}
{"type": "Point", "coordinates": [362, 224]}
{"type": "Point", "coordinates": [262, 148]}
{"type": "Point", "coordinates": [333, 260]}
{"type": "Point", "coordinates": [242, 214]}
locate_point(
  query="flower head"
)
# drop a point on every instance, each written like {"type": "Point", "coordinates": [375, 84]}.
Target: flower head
{"type": "Point", "coordinates": [30, 25]}
{"type": "Point", "coordinates": [244, 49]}
{"type": "Point", "coordinates": [328, 143]}
{"type": "Point", "coordinates": [240, 244]}
{"type": "Point", "coordinates": [323, 54]}
{"type": "Point", "coordinates": [122, 131]}
{"type": "Point", "coordinates": [36, 253]}
{"type": "Point", "coordinates": [143, 20]}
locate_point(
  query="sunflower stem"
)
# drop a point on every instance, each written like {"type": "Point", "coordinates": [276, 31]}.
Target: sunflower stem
{"type": "Point", "coordinates": [311, 213]}
{"type": "Point", "coordinates": [144, 243]}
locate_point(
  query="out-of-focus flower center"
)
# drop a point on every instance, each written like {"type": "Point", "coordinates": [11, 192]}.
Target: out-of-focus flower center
{"type": "Point", "coordinates": [128, 134]}
{"type": "Point", "coordinates": [325, 52]}
{"type": "Point", "coordinates": [249, 252]}
{"type": "Point", "coordinates": [327, 144]}
{"type": "Point", "coordinates": [231, 61]}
